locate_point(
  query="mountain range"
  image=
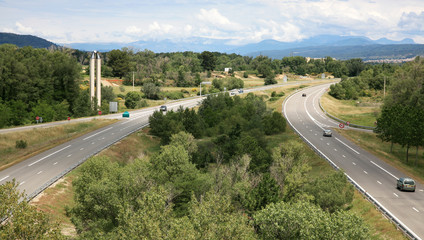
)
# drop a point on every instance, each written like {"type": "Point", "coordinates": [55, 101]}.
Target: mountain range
{"type": "Point", "coordinates": [340, 47]}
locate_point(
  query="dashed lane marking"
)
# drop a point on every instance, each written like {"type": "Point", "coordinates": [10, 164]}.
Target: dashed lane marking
{"type": "Point", "coordinates": [4, 178]}
{"type": "Point", "coordinates": [41, 159]}
{"type": "Point", "coordinates": [347, 146]}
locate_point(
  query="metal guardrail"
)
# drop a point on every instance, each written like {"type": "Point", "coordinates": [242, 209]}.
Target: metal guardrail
{"type": "Point", "coordinates": [343, 121]}
{"type": "Point", "coordinates": [400, 225]}
{"type": "Point", "coordinates": [66, 171]}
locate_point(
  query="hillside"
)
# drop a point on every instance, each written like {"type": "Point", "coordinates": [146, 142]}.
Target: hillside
{"type": "Point", "coordinates": [366, 52]}
{"type": "Point", "coordinates": [25, 40]}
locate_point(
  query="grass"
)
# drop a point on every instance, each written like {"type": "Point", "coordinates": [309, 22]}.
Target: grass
{"type": "Point", "coordinates": [371, 143]}
{"type": "Point", "coordinates": [140, 144]}
{"type": "Point", "coordinates": [42, 139]}
{"type": "Point", "coordinates": [361, 112]}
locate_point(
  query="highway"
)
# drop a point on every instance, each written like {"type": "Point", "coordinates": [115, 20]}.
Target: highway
{"type": "Point", "coordinates": [38, 172]}
{"type": "Point", "coordinates": [373, 175]}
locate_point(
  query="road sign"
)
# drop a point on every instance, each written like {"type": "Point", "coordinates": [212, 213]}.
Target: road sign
{"type": "Point", "coordinates": [69, 118]}
{"type": "Point", "coordinates": [341, 125]}
{"type": "Point", "coordinates": [37, 118]}
{"type": "Point", "coordinates": [347, 123]}
{"type": "Point", "coordinates": [100, 112]}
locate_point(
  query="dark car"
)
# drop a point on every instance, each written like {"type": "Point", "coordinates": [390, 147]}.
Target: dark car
{"type": "Point", "coordinates": [303, 94]}
{"type": "Point", "coordinates": [163, 108]}
{"type": "Point", "coordinates": [406, 184]}
{"type": "Point", "coordinates": [327, 133]}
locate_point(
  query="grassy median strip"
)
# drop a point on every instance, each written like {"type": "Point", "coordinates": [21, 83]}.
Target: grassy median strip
{"type": "Point", "coordinates": [18, 146]}
{"type": "Point", "coordinates": [360, 112]}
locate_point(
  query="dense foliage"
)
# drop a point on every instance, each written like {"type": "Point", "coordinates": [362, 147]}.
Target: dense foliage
{"type": "Point", "coordinates": [21, 220]}
{"type": "Point", "coordinates": [369, 81]}
{"type": "Point", "coordinates": [403, 110]}
{"type": "Point", "coordinates": [228, 185]}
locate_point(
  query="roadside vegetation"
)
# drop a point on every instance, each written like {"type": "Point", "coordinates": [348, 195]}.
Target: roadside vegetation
{"type": "Point", "coordinates": [179, 193]}
{"type": "Point", "coordinates": [20, 145]}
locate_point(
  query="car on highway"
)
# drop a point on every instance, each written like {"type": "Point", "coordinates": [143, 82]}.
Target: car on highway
{"type": "Point", "coordinates": [406, 184]}
{"type": "Point", "coordinates": [163, 108]}
{"type": "Point", "coordinates": [240, 90]}
{"type": "Point", "coordinates": [303, 94]}
{"type": "Point", "coordinates": [327, 133]}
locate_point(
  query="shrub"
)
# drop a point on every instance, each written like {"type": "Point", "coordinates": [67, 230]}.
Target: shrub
{"type": "Point", "coordinates": [21, 144]}
{"type": "Point", "coordinates": [122, 88]}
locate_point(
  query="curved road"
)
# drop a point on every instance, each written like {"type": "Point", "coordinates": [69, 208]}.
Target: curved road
{"type": "Point", "coordinates": [376, 177]}
{"type": "Point", "coordinates": [38, 172]}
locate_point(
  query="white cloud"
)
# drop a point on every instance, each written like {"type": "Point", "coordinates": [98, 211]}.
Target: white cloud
{"type": "Point", "coordinates": [132, 30]}
{"type": "Point", "coordinates": [20, 28]}
{"type": "Point", "coordinates": [216, 19]}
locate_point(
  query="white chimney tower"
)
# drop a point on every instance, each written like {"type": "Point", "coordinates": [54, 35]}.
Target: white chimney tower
{"type": "Point", "coordinates": [96, 64]}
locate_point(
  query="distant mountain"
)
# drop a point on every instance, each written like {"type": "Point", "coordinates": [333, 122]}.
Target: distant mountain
{"type": "Point", "coordinates": [366, 52]}
{"type": "Point", "coordinates": [340, 47]}
{"type": "Point", "coordinates": [25, 40]}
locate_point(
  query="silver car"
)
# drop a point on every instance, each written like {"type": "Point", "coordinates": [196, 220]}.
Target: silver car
{"type": "Point", "coordinates": [327, 133]}
{"type": "Point", "coordinates": [406, 184]}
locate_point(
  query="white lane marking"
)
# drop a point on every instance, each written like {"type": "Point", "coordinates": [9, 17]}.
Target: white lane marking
{"type": "Point", "coordinates": [112, 133]}
{"type": "Point", "coordinates": [81, 149]}
{"type": "Point", "coordinates": [335, 150]}
{"type": "Point", "coordinates": [354, 163]}
{"type": "Point", "coordinates": [365, 172]}
{"type": "Point", "coordinates": [39, 172]}
{"type": "Point", "coordinates": [343, 156]}
{"type": "Point", "coordinates": [384, 170]}
{"type": "Point", "coordinates": [93, 143]}
{"type": "Point", "coordinates": [310, 130]}
{"type": "Point", "coordinates": [321, 139]}
{"type": "Point", "coordinates": [4, 178]}
{"type": "Point", "coordinates": [316, 134]}
{"type": "Point", "coordinates": [421, 190]}
{"type": "Point", "coordinates": [328, 144]}
{"type": "Point", "coordinates": [41, 159]}
{"type": "Point", "coordinates": [69, 155]}
{"type": "Point", "coordinates": [21, 183]}
{"type": "Point", "coordinates": [395, 194]}
{"type": "Point", "coordinates": [416, 210]}
{"type": "Point", "coordinates": [348, 146]}
{"type": "Point", "coordinates": [55, 163]}
{"type": "Point", "coordinates": [97, 133]}
{"type": "Point", "coordinates": [379, 182]}
{"type": "Point", "coordinates": [103, 138]}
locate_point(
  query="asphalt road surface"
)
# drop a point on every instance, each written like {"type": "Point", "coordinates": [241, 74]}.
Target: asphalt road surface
{"type": "Point", "coordinates": [376, 177]}
{"type": "Point", "coordinates": [38, 172]}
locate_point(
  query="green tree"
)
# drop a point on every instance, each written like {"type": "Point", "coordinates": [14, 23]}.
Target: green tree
{"type": "Point", "coordinates": [132, 99]}
{"type": "Point", "coordinates": [213, 217]}
{"type": "Point", "coordinates": [289, 169]}
{"type": "Point", "coordinates": [23, 220]}
{"type": "Point", "coordinates": [303, 220]}
{"type": "Point", "coordinates": [119, 61]}
{"type": "Point", "coordinates": [274, 123]}
{"type": "Point", "coordinates": [150, 90]}
{"type": "Point", "coordinates": [208, 60]}
{"type": "Point", "coordinates": [331, 193]}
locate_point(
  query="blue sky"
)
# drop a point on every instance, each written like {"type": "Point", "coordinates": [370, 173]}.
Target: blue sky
{"type": "Point", "coordinates": [240, 21]}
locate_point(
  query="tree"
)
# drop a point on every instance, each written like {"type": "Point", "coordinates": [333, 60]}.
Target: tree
{"type": "Point", "coordinates": [274, 123]}
{"type": "Point", "coordinates": [119, 61]}
{"type": "Point", "coordinates": [303, 220]}
{"type": "Point", "coordinates": [150, 90]}
{"type": "Point", "coordinates": [332, 192]}
{"type": "Point", "coordinates": [132, 99]}
{"type": "Point", "coordinates": [213, 217]}
{"type": "Point", "coordinates": [23, 220]}
{"type": "Point", "coordinates": [208, 60]}
{"type": "Point", "coordinates": [289, 169]}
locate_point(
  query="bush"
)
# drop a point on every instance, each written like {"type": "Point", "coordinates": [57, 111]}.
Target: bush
{"type": "Point", "coordinates": [245, 75]}
{"type": "Point", "coordinates": [273, 94]}
{"type": "Point", "coordinates": [122, 88]}
{"type": "Point", "coordinates": [21, 144]}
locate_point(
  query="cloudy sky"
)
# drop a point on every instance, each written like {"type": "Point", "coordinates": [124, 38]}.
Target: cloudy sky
{"type": "Point", "coordinates": [241, 21]}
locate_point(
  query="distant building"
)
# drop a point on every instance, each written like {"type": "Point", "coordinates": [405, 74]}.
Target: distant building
{"type": "Point", "coordinates": [227, 70]}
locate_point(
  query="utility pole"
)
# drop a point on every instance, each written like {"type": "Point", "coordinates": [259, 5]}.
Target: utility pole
{"type": "Point", "coordinates": [200, 89]}
{"type": "Point", "coordinates": [133, 81]}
